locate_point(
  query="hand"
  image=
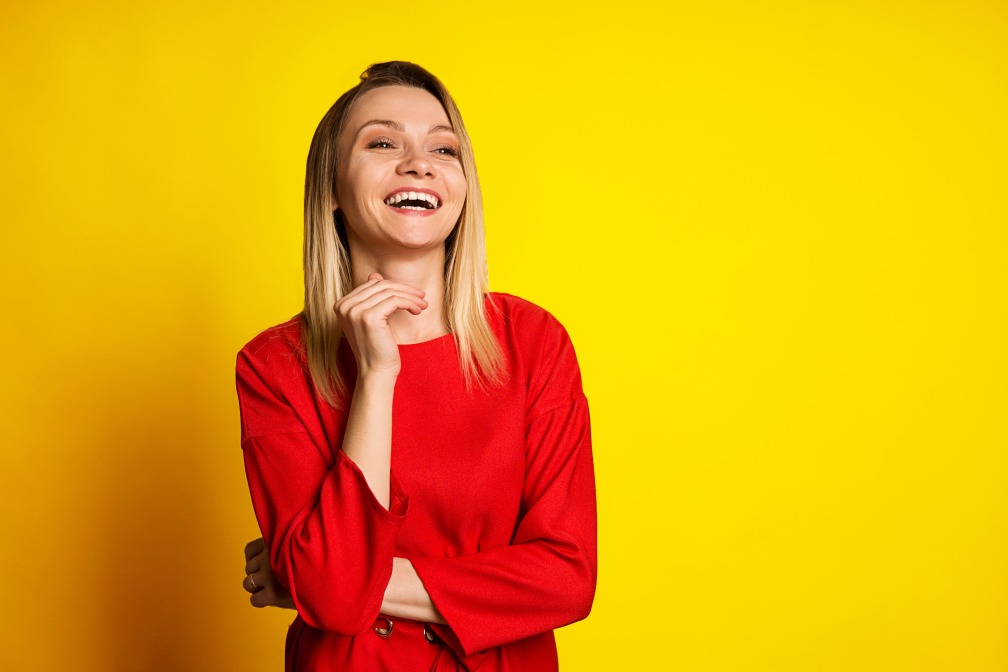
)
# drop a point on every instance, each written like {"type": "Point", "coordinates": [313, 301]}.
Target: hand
{"type": "Point", "coordinates": [266, 591]}
{"type": "Point", "coordinates": [363, 316]}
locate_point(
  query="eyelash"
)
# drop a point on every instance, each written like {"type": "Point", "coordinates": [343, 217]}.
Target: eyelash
{"type": "Point", "coordinates": [448, 150]}
{"type": "Point", "coordinates": [377, 143]}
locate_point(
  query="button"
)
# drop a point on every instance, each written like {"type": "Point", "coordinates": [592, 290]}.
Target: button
{"type": "Point", "coordinates": [428, 634]}
{"type": "Point", "coordinates": [383, 632]}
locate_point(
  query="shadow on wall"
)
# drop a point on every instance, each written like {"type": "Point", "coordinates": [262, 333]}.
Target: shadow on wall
{"type": "Point", "coordinates": [168, 548]}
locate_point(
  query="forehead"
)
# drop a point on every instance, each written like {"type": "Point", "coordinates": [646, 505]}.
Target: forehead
{"type": "Point", "coordinates": [407, 105]}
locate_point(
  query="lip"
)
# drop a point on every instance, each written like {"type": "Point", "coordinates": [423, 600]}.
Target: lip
{"type": "Point", "coordinates": [415, 190]}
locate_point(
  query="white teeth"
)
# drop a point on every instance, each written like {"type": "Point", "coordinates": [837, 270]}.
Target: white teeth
{"type": "Point", "coordinates": [412, 196]}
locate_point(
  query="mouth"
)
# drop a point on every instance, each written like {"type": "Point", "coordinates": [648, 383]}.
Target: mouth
{"type": "Point", "coordinates": [418, 200]}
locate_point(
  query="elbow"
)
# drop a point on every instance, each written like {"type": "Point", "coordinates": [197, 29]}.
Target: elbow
{"type": "Point", "coordinates": [340, 607]}
{"type": "Point", "coordinates": [581, 585]}
{"type": "Point", "coordinates": [336, 609]}
{"type": "Point", "coordinates": [583, 595]}
{"type": "Point", "coordinates": [346, 623]}
{"type": "Point", "coordinates": [583, 605]}
{"type": "Point", "coordinates": [332, 593]}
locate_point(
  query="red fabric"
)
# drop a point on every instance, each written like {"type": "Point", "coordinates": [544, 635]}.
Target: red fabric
{"type": "Point", "coordinates": [493, 501]}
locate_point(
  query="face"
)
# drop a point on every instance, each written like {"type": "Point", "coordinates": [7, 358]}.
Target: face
{"type": "Point", "coordinates": [400, 181]}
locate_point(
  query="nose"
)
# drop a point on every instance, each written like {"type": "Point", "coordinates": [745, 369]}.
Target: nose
{"type": "Point", "coordinates": [415, 162]}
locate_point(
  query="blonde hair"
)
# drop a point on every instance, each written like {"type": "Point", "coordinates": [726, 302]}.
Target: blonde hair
{"type": "Point", "coordinates": [327, 257]}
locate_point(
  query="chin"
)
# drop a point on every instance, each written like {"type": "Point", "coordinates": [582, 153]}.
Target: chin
{"type": "Point", "coordinates": [419, 239]}
{"type": "Point", "coordinates": [418, 244]}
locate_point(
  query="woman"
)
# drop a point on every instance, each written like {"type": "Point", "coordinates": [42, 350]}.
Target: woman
{"type": "Point", "coordinates": [417, 449]}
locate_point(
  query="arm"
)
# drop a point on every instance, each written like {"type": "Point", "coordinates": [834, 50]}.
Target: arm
{"type": "Point", "coordinates": [330, 540]}
{"type": "Point", "coordinates": [363, 316]}
{"type": "Point", "coordinates": [329, 517]}
{"type": "Point", "coordinates": [546, 577]}
{"type": "Point", "coordinates": [405, 595]}
{"type": "Point", "coordinates": [367, 441]}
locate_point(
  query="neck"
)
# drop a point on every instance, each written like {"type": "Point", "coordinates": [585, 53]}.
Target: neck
{"type": "Point", "coordinates": [423, 271]}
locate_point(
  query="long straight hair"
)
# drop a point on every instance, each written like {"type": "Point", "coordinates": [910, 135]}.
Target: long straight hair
{"type": "Point", "coordinates": [327, 275]}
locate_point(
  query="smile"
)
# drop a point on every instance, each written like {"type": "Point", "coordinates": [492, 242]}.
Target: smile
{"type": "Point", "coordinates": [413, 200]}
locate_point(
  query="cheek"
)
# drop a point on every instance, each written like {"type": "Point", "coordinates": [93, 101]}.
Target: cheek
{"type": "Point", "coordinates": [457, 183]}
{"type": "Point", "coordinates": [458, 191]}
{"type": "Point", "coordinates": [357, 178]}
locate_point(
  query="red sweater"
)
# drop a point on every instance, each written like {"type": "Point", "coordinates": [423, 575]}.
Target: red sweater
{"type": "Point", "coordinates": [492, 499]}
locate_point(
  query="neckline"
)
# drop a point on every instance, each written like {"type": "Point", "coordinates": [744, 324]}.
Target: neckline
{"type": "Point", "coordinates": [432, 341]}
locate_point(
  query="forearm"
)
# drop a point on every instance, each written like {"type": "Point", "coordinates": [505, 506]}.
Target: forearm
{"type": "Point", "coordinates": [406, 597]}
{"type": "Point", "coordinates": [367, 440]}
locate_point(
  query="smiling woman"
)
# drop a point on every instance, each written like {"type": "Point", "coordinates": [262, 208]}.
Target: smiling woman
{"type": "Point", "coordinates": [417, 448]}
{"type": "Point", "coordinates": [402, 183]}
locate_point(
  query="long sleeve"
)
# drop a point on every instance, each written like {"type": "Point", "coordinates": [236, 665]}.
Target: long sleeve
{"type": "Point", "coordinates": [331, 542]}
{"type": "Point", "coordinates": [546, 577]}
{"type": "Point", "coordinates": [501, 522]}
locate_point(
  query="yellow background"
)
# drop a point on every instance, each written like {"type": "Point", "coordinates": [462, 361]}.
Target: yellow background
{"type": "Point", "coordinates": [776, 231]}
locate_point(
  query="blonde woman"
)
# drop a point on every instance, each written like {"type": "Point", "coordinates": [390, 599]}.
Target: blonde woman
{"type": "Point", "coordinates": [417, 449]}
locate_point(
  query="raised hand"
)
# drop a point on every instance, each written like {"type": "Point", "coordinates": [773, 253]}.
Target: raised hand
{"type": "Point", "coordinates": [259, 581]}
{"type": "Point", "coordinates": [363, 316]}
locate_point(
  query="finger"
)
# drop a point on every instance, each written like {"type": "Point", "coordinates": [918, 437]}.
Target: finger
{"type": "Point", "coordinates": [371, 294]}
{"type": "Point", "coordinates": [379, 302]}
{"type": "Point", "coordinates": [365, 320]}
{"type": "Point", "coordinates": [368, 288]}
{"type": "Point", "coordinates": [254, 547]}
{"type": "Point", "coordinates": [253, 564]}
{"type": "Point", "coordinates": [375, 313]}
{"type": "Point", "coordinates": [392, 304]}
{"type": "Point", "coordinates": [376, 276]}
{"type": "Point", "coordinates": [253, 585]}
{"type": "Point", "coordinates": [357, 291]}
{"type": "Point", "coordinates": [264, 598]}
{"type": "Point", "coordinates": [361, 287]}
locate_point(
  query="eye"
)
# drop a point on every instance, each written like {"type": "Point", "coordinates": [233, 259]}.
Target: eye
{"type": "Point", "coordinates": [381, 143]}
{"type": "Point", "coordinates": [446, 150]}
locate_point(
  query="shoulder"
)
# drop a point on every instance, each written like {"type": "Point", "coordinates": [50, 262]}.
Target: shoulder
{"type": "Point", "coordinates": [275, 394]}
{"type": "Point", "coordinates": [283, 339]}
{"type": "Point", "coordinates": [522, 317]}
{"type": "Point", "coordinates": [538, 348]}
{"type": "Point", "coordinates": [274, 354]}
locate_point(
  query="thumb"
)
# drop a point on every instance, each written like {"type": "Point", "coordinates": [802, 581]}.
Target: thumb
{"type": "Point", "coordinates": [375, 276]}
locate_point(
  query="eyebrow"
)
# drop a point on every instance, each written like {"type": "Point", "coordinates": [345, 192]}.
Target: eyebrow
{"type": "Point", "coordinates": [395, 125]}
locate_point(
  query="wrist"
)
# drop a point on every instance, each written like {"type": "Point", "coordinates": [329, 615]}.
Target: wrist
{"type": "Point", "coordinates": [372, 381]}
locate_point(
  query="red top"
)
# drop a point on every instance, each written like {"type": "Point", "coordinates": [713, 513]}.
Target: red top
{"type": "Point", "coordinates": [492, 499]}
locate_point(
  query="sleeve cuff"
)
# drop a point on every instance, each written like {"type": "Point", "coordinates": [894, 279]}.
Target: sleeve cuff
{"type": "Point", "coordinates": [398, 500]}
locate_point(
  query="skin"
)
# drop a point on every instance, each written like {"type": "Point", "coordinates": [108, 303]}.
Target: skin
{"type": "Point", "coordinates": [398, 272]}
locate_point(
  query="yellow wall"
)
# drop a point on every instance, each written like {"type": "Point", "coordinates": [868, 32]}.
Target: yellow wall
{"type": "Point", "coordinates": [776, 230]}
